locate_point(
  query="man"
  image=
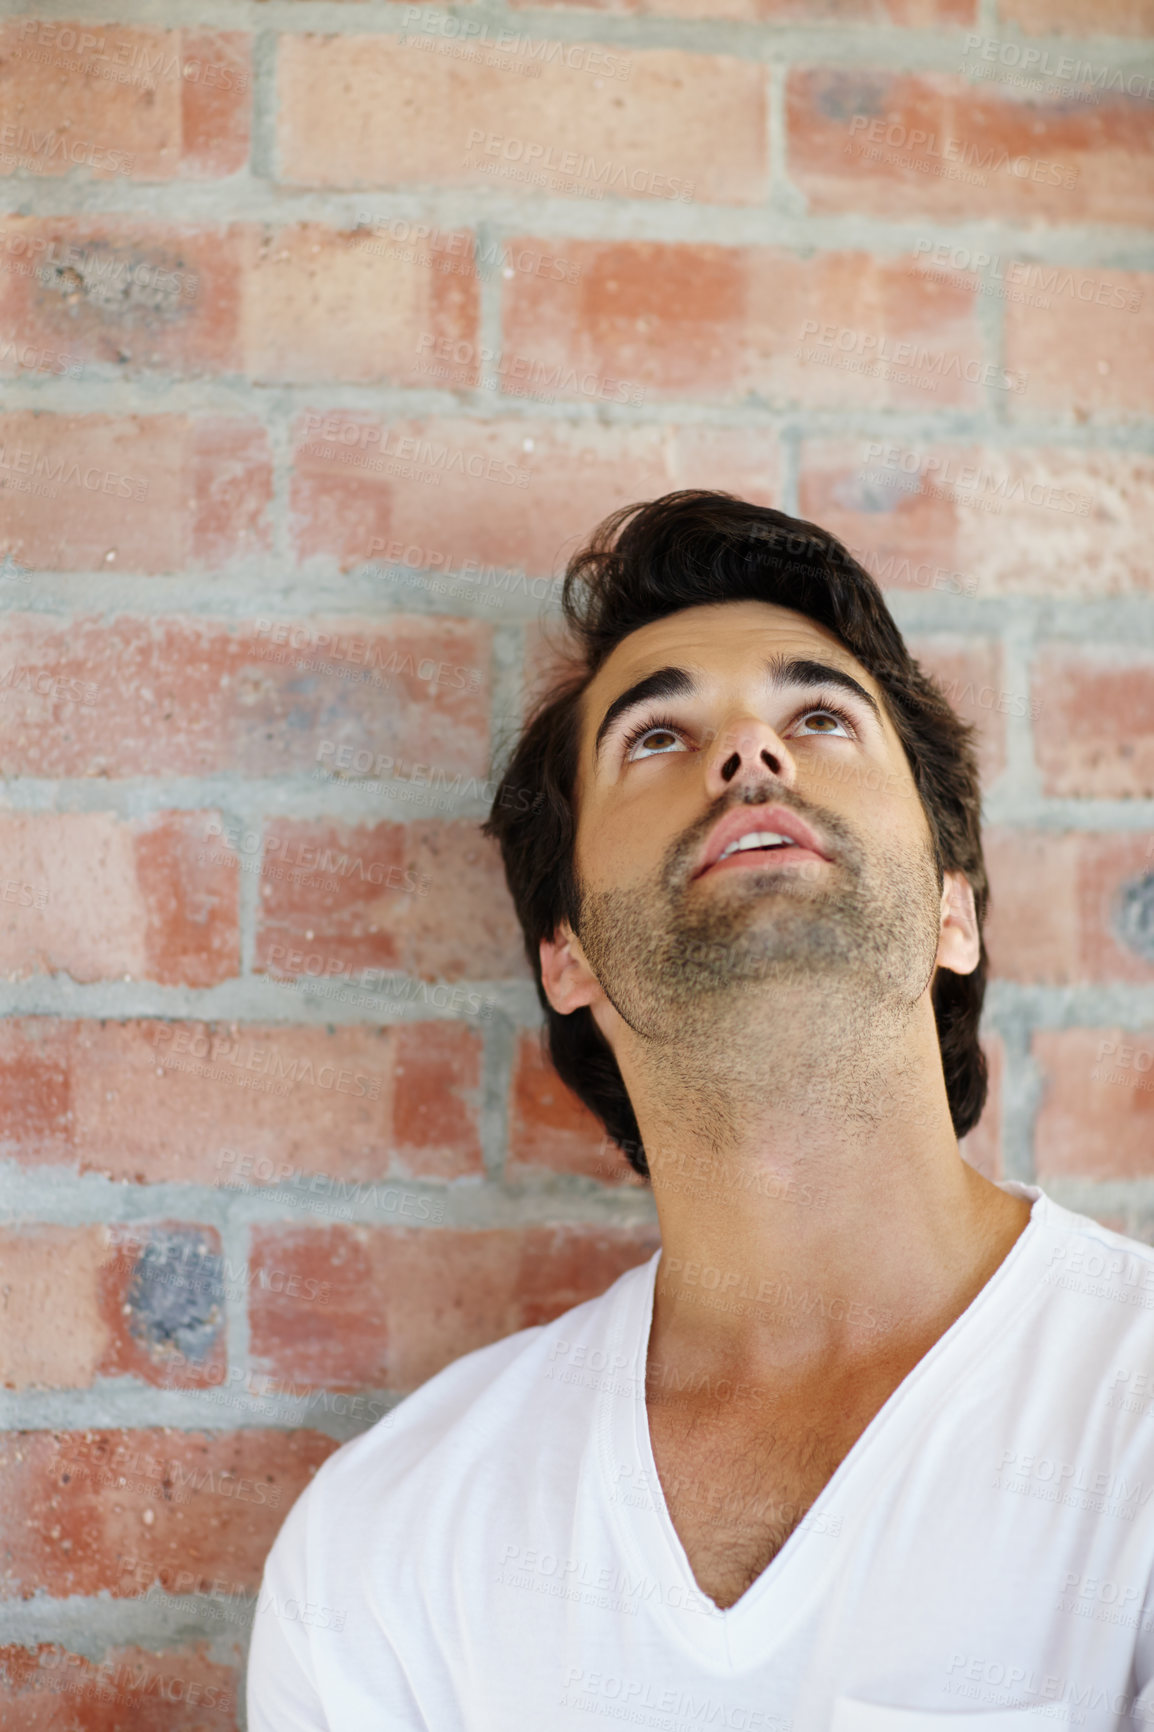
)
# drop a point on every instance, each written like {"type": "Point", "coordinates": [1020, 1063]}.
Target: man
{"type": "Point", "coordinates": [858, 1447]}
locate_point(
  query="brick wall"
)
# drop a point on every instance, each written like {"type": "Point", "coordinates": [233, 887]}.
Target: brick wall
{"type": "Point", "coordinates": [325, 337]}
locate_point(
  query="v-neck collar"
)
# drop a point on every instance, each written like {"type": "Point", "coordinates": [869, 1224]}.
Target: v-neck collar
{"type": "Point", "coordinates": [772, 1607]}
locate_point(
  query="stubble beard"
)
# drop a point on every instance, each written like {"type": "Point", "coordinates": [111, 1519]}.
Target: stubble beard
{"type": "Point", "coordinates": [702, 973]}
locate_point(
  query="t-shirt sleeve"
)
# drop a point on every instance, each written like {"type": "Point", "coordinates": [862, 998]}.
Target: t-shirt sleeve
{"type": "Point", "coordinates": [281, 1686]}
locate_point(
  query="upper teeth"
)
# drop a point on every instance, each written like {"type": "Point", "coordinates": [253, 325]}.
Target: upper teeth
{"type": "Point", "coordinates": [756, 839]}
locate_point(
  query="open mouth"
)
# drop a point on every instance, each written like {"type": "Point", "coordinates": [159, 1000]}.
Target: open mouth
{"type": "Point", "coordinates": [739, 841]}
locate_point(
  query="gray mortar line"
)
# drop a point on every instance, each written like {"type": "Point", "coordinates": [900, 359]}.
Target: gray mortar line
{"type": "Point", "coordinates": [887, 47]}
{"type": "Point", "coordinates": [91, 1624]}
{"type": "Point", "coordinates": [244, 198]}
{"type": "Point", "coordinates": [58, 1196]}
{"type": "Point", "coordinates": [497, 1077]}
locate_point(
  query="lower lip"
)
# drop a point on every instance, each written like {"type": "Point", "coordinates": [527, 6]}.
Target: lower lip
{"type": "Point", "coordinates": [766, 857]}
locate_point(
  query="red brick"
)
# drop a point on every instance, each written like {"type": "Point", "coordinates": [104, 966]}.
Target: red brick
{"type": "Point", "coordinates": [1078, 18]}
{"type": "Point", "coordinates": [53, 1273]}
{"type": "Point", "coordinates": [1094, 161]}
{"type": "Point", "coordinates": [675, 320]}
{"type": "Point", "coordinates": [135, 296]}
{"type": "Point", "coordinates": [189, 695]}
{"type": "Point", "coordinates": [133, 493]}
{"type": "Point", "coordinates": [373, 111]}
{"type": "Point", "coordinates": [1098, 740]}
{"type": "Point", "coordinates": [95, 897]}
{"type": "Point", "coordinates": [174, 1690]}
{"type": "Point", "coordinates": [143, 1301]}
{"type": "Point", "coordinates": [1085, 356]}
{"type": "Point", "coordinates": [183, 110]}
{"type": "Point", "coordinates": [405, 1302]}
{"type": "Point", "coordinates": [549, 1128]}
{"type": "Point", "coordinates": [321, 304]}
{"type": "Point", "coordinates": [564, 479]}
{"type": "Point", "coordinates": [298, 303]}
{"type": "Point", "coordinates": [983, 1147]}
{"type": "Point", "coordinates": [206, 1502]}
{"type": "Point", "coordinates": [439, 907]}
{"type": "Point", "coordinates": [979, 521]}
{"type": "Point", "coordinates": [912, 13]}
{"type": "Point", "coordinates": [1096, 1119]}
{"type": "Point", "coordinates": [969, 671]}
{"type": "Point", "coordinates": [139, 1101]}
{"type": "Point", "coordinates": [1067, 907]}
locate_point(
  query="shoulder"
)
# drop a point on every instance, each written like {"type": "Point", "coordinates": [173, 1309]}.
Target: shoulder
{"type": "Point", "coordinates": [482, 1412]}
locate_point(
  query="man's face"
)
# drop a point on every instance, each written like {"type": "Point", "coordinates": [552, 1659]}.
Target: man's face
{"type": "Point", "coordinates": [668, 929]}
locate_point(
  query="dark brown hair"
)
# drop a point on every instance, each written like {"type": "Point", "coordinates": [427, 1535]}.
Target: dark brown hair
{"type": "Point", "coordinates": [690, 549]}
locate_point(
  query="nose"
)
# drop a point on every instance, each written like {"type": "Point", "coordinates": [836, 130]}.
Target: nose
{"type": "Point", "coordinates": [747, 750]}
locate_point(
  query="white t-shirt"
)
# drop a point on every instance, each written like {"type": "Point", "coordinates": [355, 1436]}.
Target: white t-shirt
{"type": "Point", "coordinates": [496, 1555]}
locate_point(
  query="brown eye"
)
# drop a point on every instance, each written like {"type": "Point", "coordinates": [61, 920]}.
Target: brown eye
{"type": "Point", "coordinates": [652, 742]}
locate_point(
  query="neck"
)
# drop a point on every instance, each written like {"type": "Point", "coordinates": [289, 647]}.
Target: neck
{"type": "Point", "coordinates": [811, 1196]}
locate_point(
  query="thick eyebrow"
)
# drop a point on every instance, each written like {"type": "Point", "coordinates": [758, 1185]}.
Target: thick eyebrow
{"type": "Point", "coordinates": [673, 682]}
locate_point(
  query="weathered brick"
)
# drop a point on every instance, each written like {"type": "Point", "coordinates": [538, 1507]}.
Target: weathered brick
{"type": "Point", "coordinates": [374, 111]}
{"type": "Point", "coordinates": [178, 1689]}
{"type": "Point", "coordinates": [430, 900]}
{"type": "Point", "coordinates": [513, 496]}
{"type": "Point", "coordinates": [912, 13]}
{"type": "Point", "coordinates": [969, 671]}
{"type": "Point", "coordinates": [1096, 1116]}
{"type": "Point", "coordinates": [321, 304]}
{"type": "Point", "coordinates": [145, 1301]}
{"type": "Point", "coordinates": [189, 695]}
{"type": "Point", "coordinates": [1071, 907]}
{"type": "Point", "coordinates": [52, 1274]}
{"type": "Point", "coordinates": [140, 297]}
{"type": "Point", "coordinates": [1091, 352]}
{"type": "Point", "coordinates": [1098, 741]}
{"type": "Point", "coordinates": [962, 150]}
{"type": "Point", "coordinates": [239, 1104]}
{"type": "Point", "coordinates": [405, 1302]}
{"type": "Point", "coordinates": [980, 521]}
{"type": "Point", "coordinates": [109, 102]}
{"type": "Point", "coordinates": [1078, 18]}
{"type": "Point", "coordinates": [133, 493]}
{"type": "Point", "coordinates": [114, 1511]}
{"type": "Point", "coordinates": [95, 897]}
{"type": "Point", "coordinates": [550, 1130]}
{"type": "Point", "coordinates": [679, 320]}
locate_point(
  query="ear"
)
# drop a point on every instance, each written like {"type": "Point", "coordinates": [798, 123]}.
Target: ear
{"type": "Point", "coordinates": [568, 980]}
{"type": "Point", "coordinates": [959, 942]}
